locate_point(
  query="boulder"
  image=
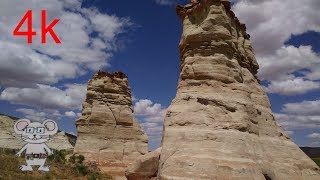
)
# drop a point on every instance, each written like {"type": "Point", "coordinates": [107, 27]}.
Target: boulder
{"type": "Point", "coordinates": [144, 168]}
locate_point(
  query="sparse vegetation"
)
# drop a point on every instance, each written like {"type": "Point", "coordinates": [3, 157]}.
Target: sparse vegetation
{"type": "Point", "coordinates": [58, 157]}
{"type": "Point", "coordinates": [317, 161]}
{"type": "Point", "coordinates": [60, 168]}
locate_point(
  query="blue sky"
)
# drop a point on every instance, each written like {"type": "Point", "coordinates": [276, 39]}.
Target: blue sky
{"type": "Point", "coordinates": [141, 39]}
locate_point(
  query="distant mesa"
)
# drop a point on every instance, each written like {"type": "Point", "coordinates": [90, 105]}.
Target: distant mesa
{"type": "Point", "coordinates": [312, 152]}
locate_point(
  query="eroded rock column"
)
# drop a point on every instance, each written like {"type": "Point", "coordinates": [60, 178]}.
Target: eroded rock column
{"type": "Point", "coordinates": [107, 130]}
{"type": "Point", "coordinates": [220, 124]}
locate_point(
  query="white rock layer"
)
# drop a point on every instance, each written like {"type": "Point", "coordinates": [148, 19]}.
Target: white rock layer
{"type": "Point", "coordinates": [220, 124]}
{"type": "Point", "coordinates": [108, 133]}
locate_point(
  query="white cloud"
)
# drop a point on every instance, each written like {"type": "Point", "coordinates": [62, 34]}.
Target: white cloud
{"type": "Point", "coordinates": [303, 108]}
{"type": "Point", "coordinates": [147, 108]}
{"type": "Point", "coordinates": [43, 114]}
{"type": "Point", "coordinates": [23, 65]}
{"type": "Point", "coordinates": [30, 73]}
{"type": "Point", "coordinates": [44, 96]}
{"type": "Point", "coordinates": [314, 73]}
{"type": "Point", "coordinates": [286, 61]}
{"type": "Point", "coordinates": [302, 115]}
{"type": "Point", "coordinates": [70, 114]}
{"type": "Point", "coordinates": [40, 115]}
{"type": "Point", "coordinates": [32, 114]}
{"type": "Point", "coordinates": [287, 70]}
{"type": "Point", "coordinates": [292, 87]}
{"type": "Point", "coordinates": [154, 131]}
{"type": "Point", "coordinates": [166, 2]}
{"type": "Point", "coordinates": [290, 132]}
{"type": "Point", "coordinates": [292, 122]}
{"type": "Point", "coordinates": [134, 98]}
{"type": "Point", "coordinates": [271, 23]}
{"type": "Point", "coordinates": [314, 135]}
{"type": "Point", "coordinates": [151, 116]}
{"type": "Point", "coordinates": [314, 144]}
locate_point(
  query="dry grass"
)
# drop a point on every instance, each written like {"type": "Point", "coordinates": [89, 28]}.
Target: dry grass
{"type": "Point", "coordinates": [59, 168]}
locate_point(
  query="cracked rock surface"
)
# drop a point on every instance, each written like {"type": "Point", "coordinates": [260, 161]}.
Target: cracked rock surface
{"type": "Point", "coordinates": [220, 124]}
{"type": "Point", "coordinates": [108, 133]}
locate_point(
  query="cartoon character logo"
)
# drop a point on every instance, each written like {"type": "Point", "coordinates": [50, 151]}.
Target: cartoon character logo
{"type": "Point", "coordinates": [36, 135]}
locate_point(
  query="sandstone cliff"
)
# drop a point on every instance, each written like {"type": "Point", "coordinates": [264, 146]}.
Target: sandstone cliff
{"type": "Point", "coordinates": [9, 139]}
{"type": "Point", "coordinates": [220, 125]}
{"type": "Point", "coordinates": [107, 131]}
{"type": "Point", "coordinates": [62, 141]}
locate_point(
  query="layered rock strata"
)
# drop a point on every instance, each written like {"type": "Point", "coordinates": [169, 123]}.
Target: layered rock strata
{"type": "Point", "coordinates": [220, 124]}
{"type": "Point", "coordinates": [62, 141]}
{"type": "Point", "coordinates": [108, 134]}
{"type": "Point", "coordinates": [10, 140]}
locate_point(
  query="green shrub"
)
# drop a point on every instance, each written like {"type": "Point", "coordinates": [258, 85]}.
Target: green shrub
{"type": "Point", "coordinates": [58, 156]}
{"type": "Point", "coordinates": [7, 151]}
{"type": "Point", "coordinates": [80, 159]}
{"type": "Point", "coordinates": [93, 176]}
{"type": "Point", "coordinates": [82, 169]}
{"type": "Point", "coordinates": [72, 159]}
{"type": "Point", "coordinates": [76, 159]}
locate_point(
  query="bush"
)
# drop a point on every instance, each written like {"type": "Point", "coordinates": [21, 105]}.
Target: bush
{"type": "Point", "coordinates": [7, 151]}
{"type": "Point", "coordinates": [72, 159]}
{"type": "Point", "coordinates": [58, 156]}
{"type": "Point", "coordinates": [76, 159]}
{"type": "Point", "coordinates": [82, 169]}
{"type": "Point", "coordinates": [93, 176]}
{"type": "Point", "coordinates": [80, 159]}
{"type": "Point", "coordinates": [59, 168]}
{"type": "Point", "coordinates": [77, 164]}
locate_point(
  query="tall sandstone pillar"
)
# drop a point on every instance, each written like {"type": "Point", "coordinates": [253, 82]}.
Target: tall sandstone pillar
{"type": "Point", "coordinates": [220, 124]}
{"type": "Point", "coordinates": [108, 134]}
